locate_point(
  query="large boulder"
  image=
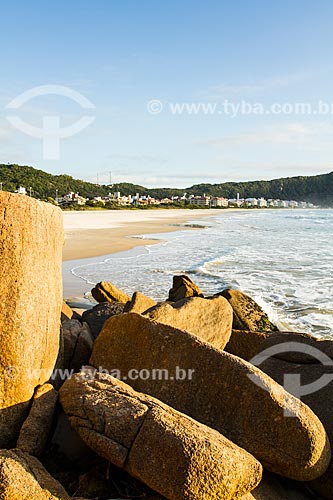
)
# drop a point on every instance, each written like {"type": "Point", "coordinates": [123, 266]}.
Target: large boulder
{"type": "Point", "coordinates": [271, 488]}
{"type": "Point", "coordinates": [171, 453]}
{"type": "Point", "coordinates": [217, 389]}
{"type": "Point", "coordinates": [22, 477]}
{"type": "Point", "coordinates": [304, 364]}
{"type": "Point", "coordinates": [36, 428]}
{"type": "Point", "coordinates": [97, 316]}
{"type": "Point", "coordinates": [78, 343]}
{"type": "Point", "coordinates": [31, 240]}
{"type": "Point", "coordinates": [106, 481]}
{"type": "Point", "coordinates": [308, 347]}
{"type": "Point", "coordinates": [106, 292]}
{"type": "Point", "coordinates": [66, 312]}
{"type": "Point", "coordinates": [245, 344]}
{"type": "Point", "coordinates": [139, 303]}
{"type": "Point", "coordinates": [209, 319]}
{"type": "Point", "coordinates": [182, 288]}
{"type": "Point", "coordinates": [248, 315]}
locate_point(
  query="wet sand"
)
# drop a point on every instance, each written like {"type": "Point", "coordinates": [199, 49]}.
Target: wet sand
{"type": "Point", "coordinates": [92, 234]}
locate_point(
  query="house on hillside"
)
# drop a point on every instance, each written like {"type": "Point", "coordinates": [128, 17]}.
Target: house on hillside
{"type": "Point", "coordinates": [21, 190]}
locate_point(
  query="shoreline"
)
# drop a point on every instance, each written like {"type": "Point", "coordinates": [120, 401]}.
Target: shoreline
{"type": "Point", "coordinates": [94, 234]}
{"type": "Point", "coordinates": [117, 232]}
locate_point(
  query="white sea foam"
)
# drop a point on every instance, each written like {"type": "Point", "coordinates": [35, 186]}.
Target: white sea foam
{"type": "Point", "coordinates": [282, 258]}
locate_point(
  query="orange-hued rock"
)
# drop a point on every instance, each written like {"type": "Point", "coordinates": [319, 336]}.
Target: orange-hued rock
{"type": "Point", "coordinates": [168, 451]}
{"type": "Point", "coordinates": [107, 292]}
{"type": "Point", "coordinates": [31, 240]}
{"type": "Point", "coordinates": [183, 287]}
{"type": "Point", "coordinates": [218, 389]}
{"type": "Point", "coordinates": [139, 303]}
{"type": "Point", "coordinates": [312, 365]}
{"type": "Point", "coordinates": [209, 319]}
{"type": "Point", "coordinates": [36, 428]}
{"type": "Point", "coordinates": [66, 312]}
{"type": "Point", "coordinates": [245, 344]}
{"type": "Point", "coordinates": [248, 315]}
{"type": "Point", "coordinates": [23, 477]}
{"type": "Point", "coordinates": [271, 488]}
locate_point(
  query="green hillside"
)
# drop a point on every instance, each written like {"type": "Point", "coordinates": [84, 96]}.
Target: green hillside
{"type": "Point", "coordinates": [316, 189]}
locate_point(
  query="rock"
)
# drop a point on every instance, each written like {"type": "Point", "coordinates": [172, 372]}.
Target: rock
{"type": "Point", "coordinates": [245, 344]}
{"type": "Point", "coordinates": [69, 444]}
{"type": "Point", "coordinates": [306, 344]}
{"type": "Point", "coordinates": [183, 287]}
{"type": "Point", "coordinates": [209, 319]}
{"type": "Point", "coordinates": [104, 480]}
{"type": "Point", "coordinates": [31, 240]}
{"type": "Point", "coordinates": [139, 303]}
{"type": "Point", "coordinates": [66, 312]}
{"type": "Point", "coordinates": [106, 292]}
{"type": "Point", "coordinates": [95, 484]}
{"type": "Point", "coordinates": [77, 313]}
{"type": "Point", "coordinates": [171, 453]}
{"type": "Point", "coordinates": [271, 488]}
{"type": "Point", "coordinates": [78, 344]}
{"type": "Point", "coordinates": [22, 477]}
{"type": "Point", "coordinates": [286, 363]}
{"type": "Point", "coordinates": [248, 315]}
{"type": "Point", "coordinates": [217, 389]}
{"type": "Point", "coordinates": [97, 316]}
{"type": "Point", "coordinates": [36, 428]}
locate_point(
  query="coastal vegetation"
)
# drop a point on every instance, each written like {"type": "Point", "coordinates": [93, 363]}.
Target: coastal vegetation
{"type": "Point", "coordinates": [316, 189]}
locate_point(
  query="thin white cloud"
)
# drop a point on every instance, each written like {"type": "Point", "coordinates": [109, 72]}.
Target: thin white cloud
{"type": "Point", "coordinates": [309, 136]}
{"type": "Point", "coordinates": [225, 90]}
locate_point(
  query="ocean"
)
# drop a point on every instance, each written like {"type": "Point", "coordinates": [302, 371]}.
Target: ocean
{"type": "Point", "coordinates": [281, 258]}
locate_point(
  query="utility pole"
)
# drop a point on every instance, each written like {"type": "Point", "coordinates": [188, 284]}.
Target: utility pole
{"type": "Point", "coordinates": [30, 189]}
{"type": "Point", "coordinates": [56, 199]}
{"type": "Point", "coordinates": [0, 186]}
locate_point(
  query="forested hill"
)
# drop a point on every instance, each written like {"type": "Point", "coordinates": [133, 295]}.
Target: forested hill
{"type": "Point", "coordinates": [316, 189]}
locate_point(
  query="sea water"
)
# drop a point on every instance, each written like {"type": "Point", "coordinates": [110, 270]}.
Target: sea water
{"type": "Point", "coordinates": [281, 258]}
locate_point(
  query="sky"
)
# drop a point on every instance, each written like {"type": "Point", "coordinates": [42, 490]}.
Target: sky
{"type": "Point", "coordinates": [167, 93]}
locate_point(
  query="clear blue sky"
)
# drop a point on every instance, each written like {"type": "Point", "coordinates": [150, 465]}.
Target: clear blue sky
{"type": "Point", "coordinates": [122, 54]}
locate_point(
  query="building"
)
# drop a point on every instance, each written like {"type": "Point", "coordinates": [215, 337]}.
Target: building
{"type": "Point", "coordinates": [201, 201]}
{"type": "Point", "coordinates": [21, 190]}
{"type": "Point", "coordinates": [262, 203]}
{"type": "Point", "coordinates": [72, 197]}
{"type": "Point", "coordinates": [251, 202]}
{"type": "Point", "coordinates": [219, 202]}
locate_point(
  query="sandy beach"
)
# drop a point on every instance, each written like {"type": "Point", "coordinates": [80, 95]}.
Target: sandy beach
{"type": "Point", "coordinates": [95, 233]}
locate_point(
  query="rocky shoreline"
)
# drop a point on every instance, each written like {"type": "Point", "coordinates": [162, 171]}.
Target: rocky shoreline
{"type": "Point", "coordinates": [195, 398]}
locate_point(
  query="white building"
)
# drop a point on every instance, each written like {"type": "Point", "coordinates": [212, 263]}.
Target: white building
{"type": "Point", "coordinates": [201, 201]}
{"type": "Point", "coordinates": [218, 202]}
{"type": "Point", "coordinates": [251, 202]}
{"type": "Point", "coordinates": [262, 203]}
{"type": "Point", "coordinates": [236, 201]}
{"type": "Point", "coordinates": [282, 204]}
